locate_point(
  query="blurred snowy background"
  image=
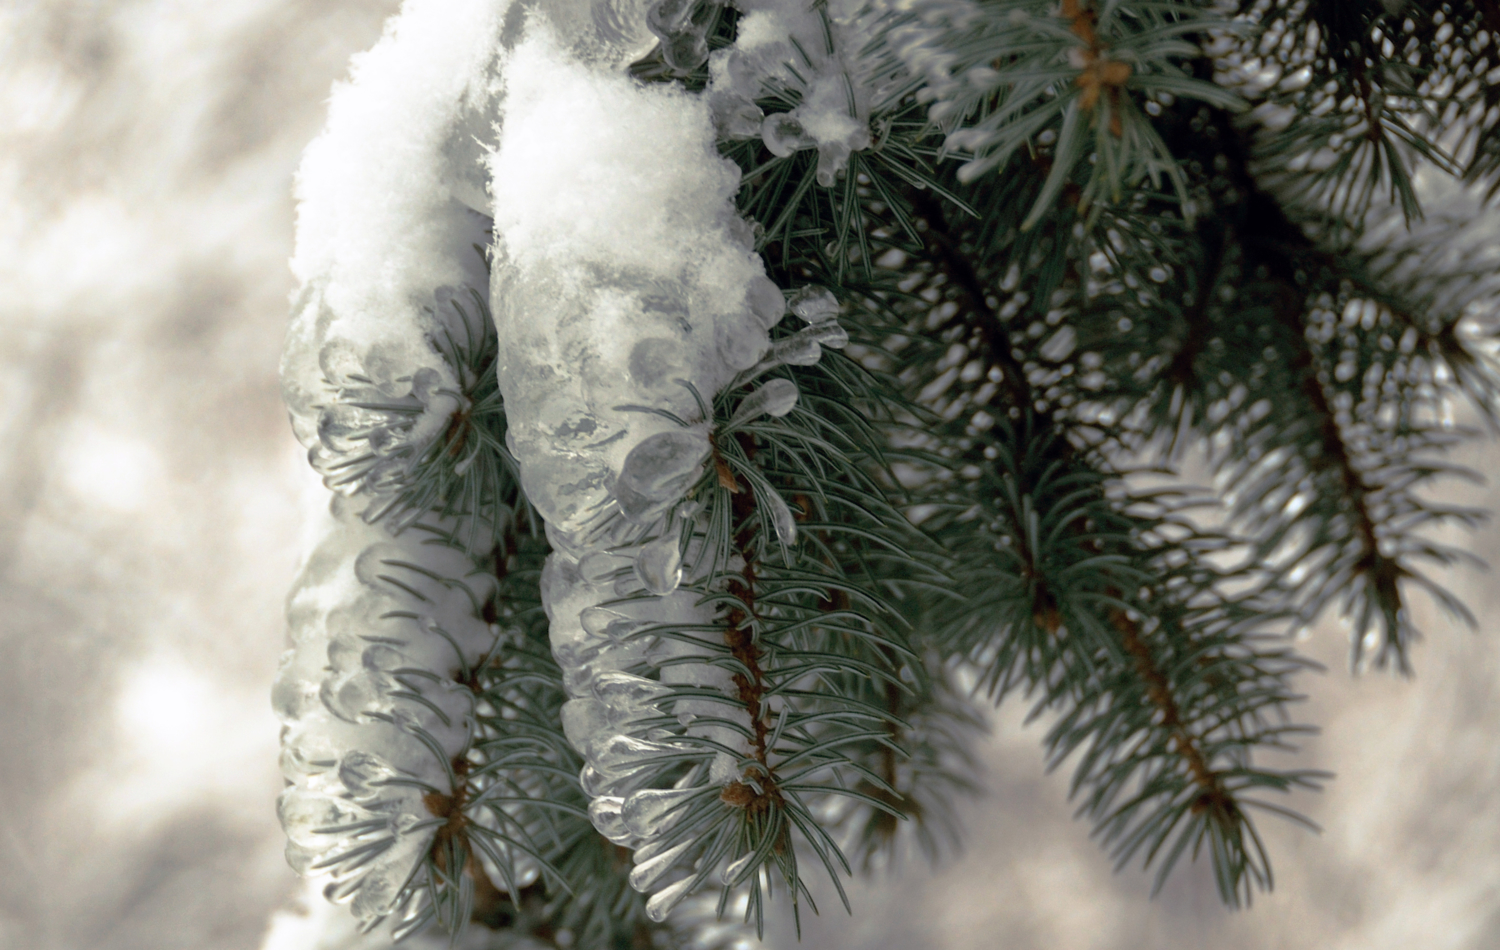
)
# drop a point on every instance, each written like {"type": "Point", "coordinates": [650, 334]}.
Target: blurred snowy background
{"type": "Point", "coordinates": [151, 509]}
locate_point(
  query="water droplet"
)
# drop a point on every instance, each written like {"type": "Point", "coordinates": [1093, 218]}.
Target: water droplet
{"type": "Point", "coordinates": [305, 814]}
{"type": "Point", "coordinates": [815, 304]}
{"type": "Point", "coordinates": [363, 774]}
{"type": "Point", "coordinates": [739, 864]}
{"type": "Point", "coordinates": [783, 134]}
{"type": "Point", "coordinates": [830, 335]}
{"type": "Point", "coordinates": [735, 117]}
{"type": "Point", "coordinates": [596, 620]}
{"type": "Point", "coordinates": [795, 350]}
{"type": "Point", "coordinates": [669, 16]}
{"type": "Point", "coordinates": [653, 811]}
{"type": "Point", "coordinates": [658, 471]}
{"type": "Point", "coordinates": [583, 720]}
{"type": "Point", "coordinates": [647, 873]}
{"type": "Point", "coordinates": [617, 688]}
{"type": "Point", "coordinates": [686, 49]}
{"type": "Point", "coordinates": [349, 696]}
{"type": "Point", "coordinates": [605, 813]}
{"type": "Point", "coordinates": [766, 301]}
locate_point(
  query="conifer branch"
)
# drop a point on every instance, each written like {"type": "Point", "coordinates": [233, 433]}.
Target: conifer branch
{"type": "Point", "coordinates": [831, 537]}
{"type": "Point", "coordinates": [946, 249]}
{"type": "Point", "coordinates": [740, 637]}
{"type": "Point", "coordinates": [1213, 795]}
{"type": "Point", "coordinates": [1181, 371]}
{"type": "Point", "coordinates": [1274, 242]}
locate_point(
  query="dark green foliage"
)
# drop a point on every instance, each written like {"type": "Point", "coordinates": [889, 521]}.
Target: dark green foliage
{"type": "Point", "coordinates": [806, 565]}
{"type": "Point", "coordinates": [1315, 371]}
{"type": "Point", "coordinates": [1117, 278]}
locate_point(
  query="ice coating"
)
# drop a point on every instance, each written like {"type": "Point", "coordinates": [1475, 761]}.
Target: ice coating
{"type": "Point", "coordinates": [776, 398]}
{"type": "Point", "coordinates": [378, 223]}
{"type": "Point", "coordinates": [682, 26]}
{"type": "Point", "coordinates": [383, 629]}
{"type": "Point", "coordinates": [619, 274]}
{"type": "Point", "coordinates": [812, 52]}
{"type": "Point", "coordinates": [623, 283]}
{"type": "Point", "coordinates": [626, 295]}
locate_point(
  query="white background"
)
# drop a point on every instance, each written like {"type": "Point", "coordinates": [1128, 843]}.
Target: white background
{"type": "Point", "coordinates": [152, 501]}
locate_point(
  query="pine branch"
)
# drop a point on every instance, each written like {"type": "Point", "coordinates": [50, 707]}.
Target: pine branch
{"type": "Point", "coordinates": [751, 631]}
{"type": "Point", "coordinates": [739, 636]}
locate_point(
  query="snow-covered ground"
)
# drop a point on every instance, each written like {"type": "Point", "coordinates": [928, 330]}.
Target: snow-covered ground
{"type": "Point", "coordinates": [153, 501]}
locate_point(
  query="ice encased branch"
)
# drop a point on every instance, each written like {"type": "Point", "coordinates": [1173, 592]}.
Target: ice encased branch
{"type": "Point", "coordinates": [625, 292]}
{"type": "Point", "coordinates": [383, 630]}
{"type": "Point", "coordinates": [627, 297]}
{"type": "Point", "coordinates": [621, 268]}
{"type": "Point", "coordinates": [385, 622]}
{"type": "Point", "coordinates": [807, 53]}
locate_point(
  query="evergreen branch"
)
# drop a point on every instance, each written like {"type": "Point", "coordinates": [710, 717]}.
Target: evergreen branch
{"type": "Point", "coordinates": [972, 298]}
{"type": "Point", "coordinates": [1028, 523]}
{"type": "Point", "coordinates": [1294, 264]}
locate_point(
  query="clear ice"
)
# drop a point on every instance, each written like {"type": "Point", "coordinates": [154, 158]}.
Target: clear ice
{"type": "Point", "coordinates": [626, 295]}
{"type": "Point", "coordinates": [383, 619]}
{"type": "Point", "coordinates": [365, 738]}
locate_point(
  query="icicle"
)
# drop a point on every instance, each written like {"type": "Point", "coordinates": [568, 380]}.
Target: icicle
{"type": "Point", "coordinates": [783, 134]}
{"type": "Point", "coordinates": [735, 868]}
{"type": "Point", "coordinates": [766, 301]}
{"type": "Point", "coordinates": [627, 688]}
{"type": "Point", "coordinates": [645, 875]}
{"type": "Point", "coordinates": [658, 471]}
{"type": "Point", "coordinates": [604, 812]}
{"type": "Point", "coordinates": [651, 812]}
{"type": "Point", "coordinates": [815, 304]}
{"type": "Point", "coordinates": [735, 117]}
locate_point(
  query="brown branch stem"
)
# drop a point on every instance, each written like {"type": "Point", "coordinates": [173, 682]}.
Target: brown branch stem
{"type": "Point", "coordinates": [1212, 795]}
{"type": "Point", "coordinates": [739, 636]}
{"type": "Point", "coordinates": [1278, 244]}
{"type": "Point", "coordinates": [946, 250]}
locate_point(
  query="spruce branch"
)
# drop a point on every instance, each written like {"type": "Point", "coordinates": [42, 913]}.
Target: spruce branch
{"type": "Point", "coordinates": [1373, 488]}
{"type": "Point", "coordinates": [741, 655]}
{"type": "Point", "coordinates": [1022, 508]}
{"type": "Point", "coordinates": [1019, 75]}
{"type": "Point", "coordinates": [1342, 115]}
